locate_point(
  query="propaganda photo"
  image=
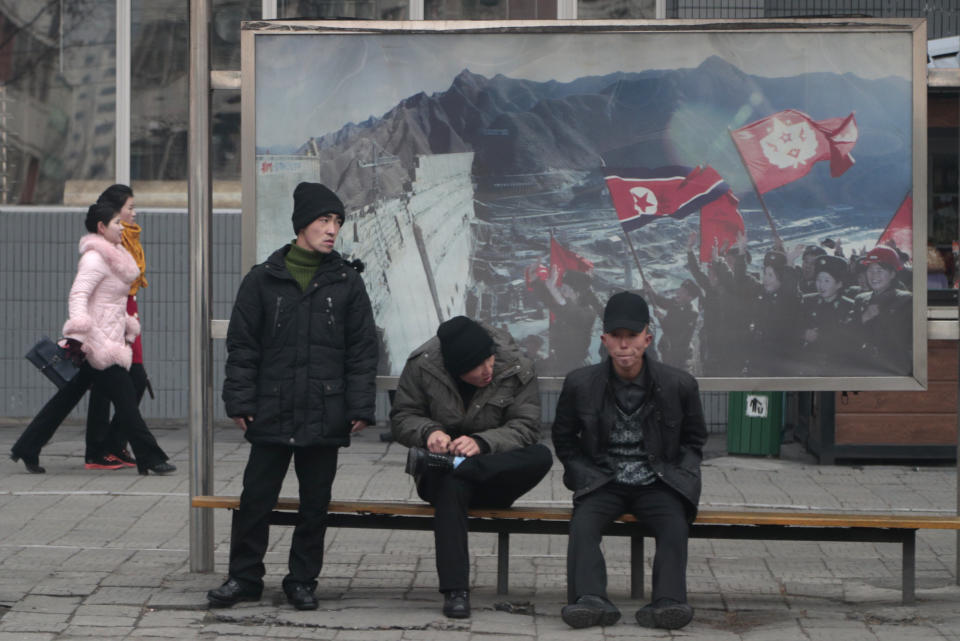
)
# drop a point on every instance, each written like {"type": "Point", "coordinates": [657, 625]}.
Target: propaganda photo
{"type": "Point", "coordinates": [755, 187]}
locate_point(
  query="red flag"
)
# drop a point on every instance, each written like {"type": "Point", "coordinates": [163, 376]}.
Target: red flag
{"type": "Point", "coordinates": [566, 260]}
{"type": "Point", "coordinates": [899, 231]}
{"type": "Point", "coordinates": [720, 221]}
{"type": "Point", "coordinates": [642, 195]}
{"type": "Point", "coordinates": [783, 147]}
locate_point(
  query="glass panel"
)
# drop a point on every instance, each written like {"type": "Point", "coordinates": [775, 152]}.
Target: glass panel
{"type": "Point", "coordinates": [942, 207]}
{"type": "Point", "coordinates": [490, 9]}
{"type": "Point", "coordinates": [159, 94]}
{"type": "Point", "coordinates": [603, 9]}
{"type": "Point", "coordinates": [324, 9]}
{"type": "Point", "coordinates": [57, 96]}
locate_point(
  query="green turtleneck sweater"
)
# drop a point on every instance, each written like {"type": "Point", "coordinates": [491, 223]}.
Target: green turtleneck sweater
{"type": "Point", "coordinates": [302, 264]}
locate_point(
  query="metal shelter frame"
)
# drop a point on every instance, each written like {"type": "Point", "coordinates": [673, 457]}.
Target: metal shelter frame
{"type": "Point", "coordinates": [202, 328]}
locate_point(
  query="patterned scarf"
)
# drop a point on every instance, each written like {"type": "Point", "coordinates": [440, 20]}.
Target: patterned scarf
{"type": "Point", "coordinates": [131, 242]}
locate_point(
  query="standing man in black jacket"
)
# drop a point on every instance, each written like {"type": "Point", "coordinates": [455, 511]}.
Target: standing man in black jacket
{"type": "Point", "coordinates": [629, 433]}
{"type": "Point", "coordinates": [301, 377]}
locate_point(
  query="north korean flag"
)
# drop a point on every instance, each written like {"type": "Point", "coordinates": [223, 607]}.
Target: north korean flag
{"type": "Point", "coordinates": [642, 195]}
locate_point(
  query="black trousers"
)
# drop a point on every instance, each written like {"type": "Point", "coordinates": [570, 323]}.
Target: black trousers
{"type": "Point", "coordinates": [485, 480]}
{"type": "Point", "coordinates": [662, 512]}
{"type": "Point", "coordinates": [103, 435]}
{"type": "Point", "coordinates": [116, 385]}
{"type": "Point", "coordinates": [262, 481]}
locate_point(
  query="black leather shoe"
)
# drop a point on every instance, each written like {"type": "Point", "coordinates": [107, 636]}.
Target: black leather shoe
{"type": "Point", "coordinates": [159, 468]}
{"type": "Point", "coordinates": [420, 460]}
{"type": "Point", "coordinates": [666, 613]}
{"type": "Point", "coordinates": [32, 463]}
{"type": "Point", "coordinates": [590, 610]}
{"type": "Point", "coordinates": [456, 604]}
{"type": "Point", "coordinates": [300, 596]}
{"type": "Point", "coordinates": [230, 593]}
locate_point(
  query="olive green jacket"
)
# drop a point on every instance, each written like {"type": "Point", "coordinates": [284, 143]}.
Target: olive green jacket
{"type": "Point", "coordinates": [505, 414]}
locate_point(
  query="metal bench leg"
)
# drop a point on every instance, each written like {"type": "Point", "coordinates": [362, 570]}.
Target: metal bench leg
{"type": "Point", "coordinates": [910, 568]}
{"type": "Point", "coordinates": [636, 567]}
{"type": "Point", "coordinates": [503, 562]}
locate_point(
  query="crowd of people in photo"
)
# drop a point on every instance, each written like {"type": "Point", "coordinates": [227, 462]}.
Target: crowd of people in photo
{"type": "Point", "coordinates": [831, 315]}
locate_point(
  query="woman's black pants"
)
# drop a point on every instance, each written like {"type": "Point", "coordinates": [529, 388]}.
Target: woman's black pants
{"type": "Point", "coordinates": [117, 385]}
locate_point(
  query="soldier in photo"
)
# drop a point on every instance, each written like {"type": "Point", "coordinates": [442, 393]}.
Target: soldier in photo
{"type": "Point", "coordinates": [677, 320]}
{"type": "Point", "coordinates": [828, 319]}
{"type": "Point", "coordinates": [885, 315]}
{"type": "Point", "coordinates": [775, 344]}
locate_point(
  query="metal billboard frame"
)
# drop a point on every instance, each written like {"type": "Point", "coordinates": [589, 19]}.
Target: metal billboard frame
{"type": "Point", "coordinates": [916, 28]}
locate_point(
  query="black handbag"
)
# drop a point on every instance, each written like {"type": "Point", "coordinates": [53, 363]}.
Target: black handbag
{"type": "Point", "coordinates": [53, 361]}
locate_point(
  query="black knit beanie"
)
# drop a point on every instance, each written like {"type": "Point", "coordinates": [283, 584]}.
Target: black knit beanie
{"type": "Point", "coordinates": [464, 344]}
{"type": "Point", "coordinates": [312, 200]}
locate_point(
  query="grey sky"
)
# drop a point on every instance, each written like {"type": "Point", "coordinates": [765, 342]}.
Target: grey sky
{"type": "Point", "coordinates": [322, 82]}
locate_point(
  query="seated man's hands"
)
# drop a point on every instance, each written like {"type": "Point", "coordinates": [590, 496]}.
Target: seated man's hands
{"type": "Point", "coordinates": [438, 442]}
{"type": "Point", "coordinates": [464, 446]}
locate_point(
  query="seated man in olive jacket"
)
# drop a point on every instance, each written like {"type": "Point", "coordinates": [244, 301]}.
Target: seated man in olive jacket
{"type": "Point", "coordinates": [629, 433]}
{"type": "Point", "coordinates": [468, 407]}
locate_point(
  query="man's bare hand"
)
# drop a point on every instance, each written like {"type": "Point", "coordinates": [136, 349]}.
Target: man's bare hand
{"type": "Point", "coordinates": [357, 425]}
{"type": "Point", "coordinates": [464, 446]}
{"type": "Point", "coordinates": [438, 442]}
{"type": "Point", "coordinates": [242, 421]}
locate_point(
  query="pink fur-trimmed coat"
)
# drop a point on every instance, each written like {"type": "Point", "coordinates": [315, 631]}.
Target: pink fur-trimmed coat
{"type": "Point", "coordinates": [98, 303]}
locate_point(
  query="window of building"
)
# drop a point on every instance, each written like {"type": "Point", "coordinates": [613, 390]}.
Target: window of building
{"type": "Point", "coordinates": [51, 53]}
{"type": "Point", "coordinates": [490, 9]}
{"type": "Point", "coordinates": [616, 9]}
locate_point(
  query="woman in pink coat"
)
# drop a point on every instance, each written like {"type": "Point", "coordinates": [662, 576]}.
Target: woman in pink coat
{"type": "Point", "coordinates": [101, 329]}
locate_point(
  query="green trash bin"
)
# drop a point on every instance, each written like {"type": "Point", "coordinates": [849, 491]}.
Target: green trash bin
{"type": "Point", "coordinates": [753, 423]}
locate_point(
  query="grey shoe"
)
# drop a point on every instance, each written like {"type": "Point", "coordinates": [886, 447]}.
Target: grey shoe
{"type": "Point", "coordinates": [669, 615]}
{"type": "Point", "coordinates": [590, 610]}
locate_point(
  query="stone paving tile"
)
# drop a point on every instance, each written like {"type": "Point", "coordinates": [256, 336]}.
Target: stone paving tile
{"type": "Point", "coordinates": [123, 596]}
{"type": "Point", "coordinates": [33, 622]}
{"type": "Point", "coordinates": [47, 604]}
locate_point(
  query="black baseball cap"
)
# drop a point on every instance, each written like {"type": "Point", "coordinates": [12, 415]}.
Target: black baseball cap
{"type": "Point", "coordinates": [626, 310]}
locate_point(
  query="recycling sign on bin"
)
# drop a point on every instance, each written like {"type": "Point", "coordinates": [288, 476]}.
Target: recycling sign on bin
{"type": "Point", "coordinates": [757, 405]}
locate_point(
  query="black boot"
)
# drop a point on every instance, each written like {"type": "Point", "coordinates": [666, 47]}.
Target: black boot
{"type": "Point", "coordinates": [420, 460]}
{"type": "Point", "coordinates": [32, 463]}
{"type": "Point", "coordinates": [665, 613]}
{"type": "Point", "coordinates": [232, 592]}
{"type": "Point", "coordinates": [456, 604]}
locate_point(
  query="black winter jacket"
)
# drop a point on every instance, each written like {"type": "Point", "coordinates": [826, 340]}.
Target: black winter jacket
{"type": "Point", "coordinates": [302, 363]}
{"type": "Point", "coordinates": [673, 429]}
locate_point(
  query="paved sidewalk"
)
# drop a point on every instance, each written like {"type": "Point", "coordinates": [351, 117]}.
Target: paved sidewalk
{"type": "Point", "coordinates": [103, 555]}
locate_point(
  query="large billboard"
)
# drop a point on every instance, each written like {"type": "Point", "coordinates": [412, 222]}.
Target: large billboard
{"type": "Point", "coordinates": [759, 182]}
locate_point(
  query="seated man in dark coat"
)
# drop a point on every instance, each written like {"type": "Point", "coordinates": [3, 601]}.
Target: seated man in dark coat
{"type": "Point", "coordinates": [629, 433]}
{"type": "Point", "coordinates": [468, 407]}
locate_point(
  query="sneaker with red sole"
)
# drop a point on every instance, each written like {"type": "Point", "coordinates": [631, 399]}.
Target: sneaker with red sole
{"type": "Point", "coordinates": [123, 456]}
{"type": "Point", "coordinates": [103, 463]}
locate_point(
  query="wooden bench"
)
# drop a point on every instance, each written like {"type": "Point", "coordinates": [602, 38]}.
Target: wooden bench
{"type": "Point", "coordinates": [710, 524]}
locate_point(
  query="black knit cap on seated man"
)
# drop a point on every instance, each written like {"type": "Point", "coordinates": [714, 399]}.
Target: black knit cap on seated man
{"type": "Point", "coordinates": [280, 351]}
{"type": "Point", "coordinates": [630, 433]}
{"type": "Point", "coordinates": [468, 407]}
